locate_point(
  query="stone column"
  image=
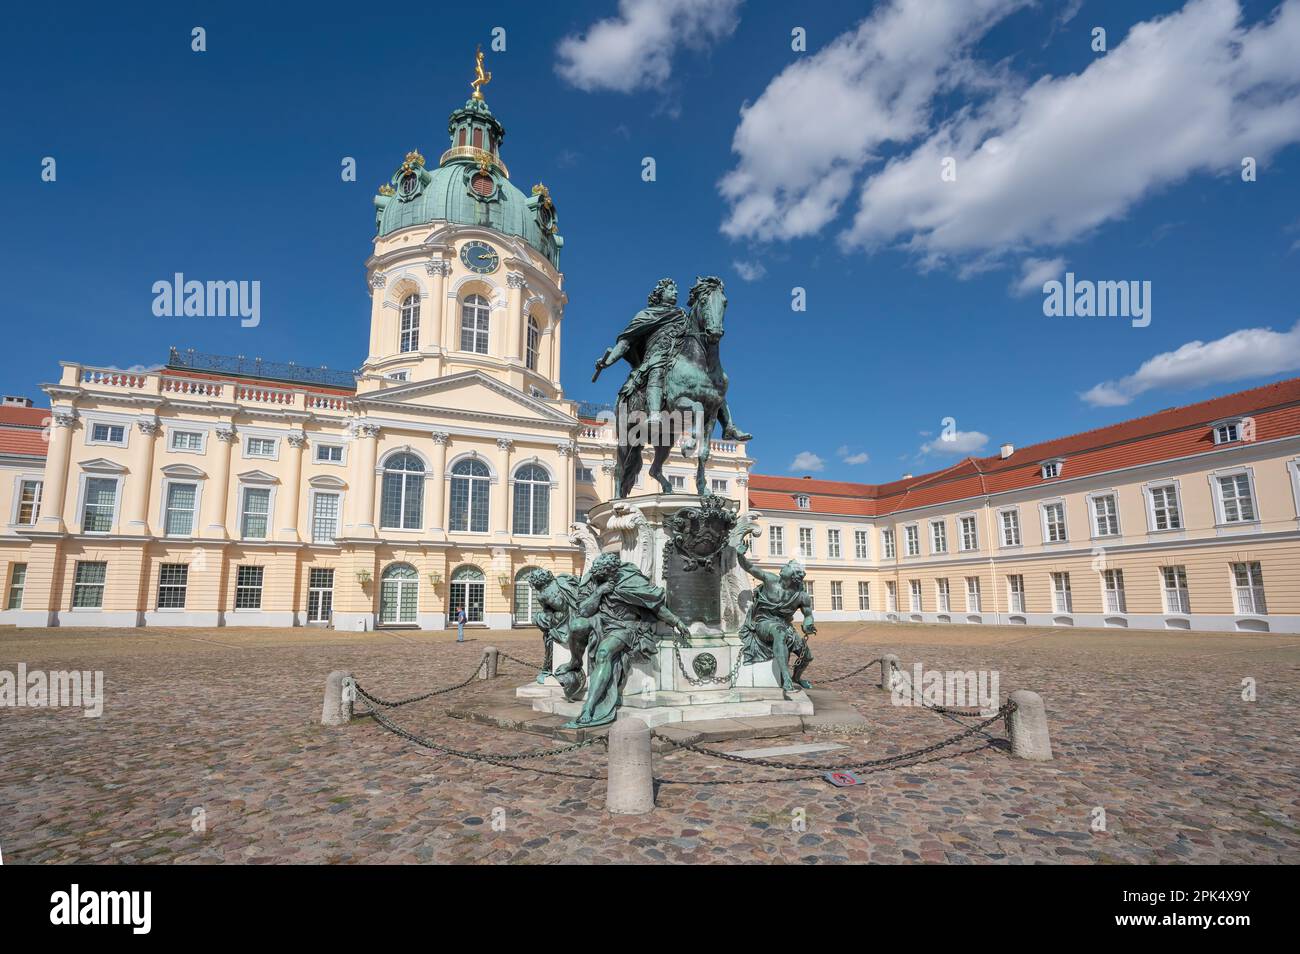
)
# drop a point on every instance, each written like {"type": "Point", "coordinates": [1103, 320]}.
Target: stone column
{"type": "Point", "coordinates": [363, 493]}
{"type": "Point", "coordinates": [631, 783]}
{"type": "Point", "coordinates": [140, 470]}
{"type": "Point", "coordinates": [216, 493]}
{"type": "Point", "coordinates": [1027, 727]}
{"type": "Point", "coordinates": [742, 492]}
{"type": "Point", "coordinates": [438, 269]}
{"type": "Point", "coordinates": [607, 468]}
{"type": "Point", "coordinates": [501, 518]}
{"type": "Point", "coordinates": [54, 489]}
{"type": "Point", "coordinates": [555, 350]}
{"type": "Point", "coordinates": [438, 499]}
{"type": "Point", "coordinates": [562, 514]}
{"type": "Point", "coordinates": [514, 317]}
{"type": "Point", "coordinates": [286, 502]}
{"type": "Point", "coordinates": [340, 695]}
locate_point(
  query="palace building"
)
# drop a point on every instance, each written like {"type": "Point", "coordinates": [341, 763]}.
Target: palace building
{"type": "Point", "coordinates": [224, 492]}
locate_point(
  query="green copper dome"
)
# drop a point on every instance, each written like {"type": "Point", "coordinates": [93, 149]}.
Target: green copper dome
{"type": "Point", "coordinates": [471, 186]}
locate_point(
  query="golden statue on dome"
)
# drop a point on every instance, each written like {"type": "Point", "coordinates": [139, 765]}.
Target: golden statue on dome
{"type": "Point", "coordinates": [481, 77]}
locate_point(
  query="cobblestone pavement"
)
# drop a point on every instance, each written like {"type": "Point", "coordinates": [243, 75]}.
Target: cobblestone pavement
{"type": "Point", "coordinates": [1150, 727]}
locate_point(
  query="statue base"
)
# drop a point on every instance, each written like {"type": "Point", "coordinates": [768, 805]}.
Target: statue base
{"type": "Point", "coordinates": [697, 683]}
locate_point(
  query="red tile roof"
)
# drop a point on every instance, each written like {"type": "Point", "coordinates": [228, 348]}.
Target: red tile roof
{"type": "Point", "coordinates": [22, 430]}
{"type": "Point", "coordinates": [1165, 435]}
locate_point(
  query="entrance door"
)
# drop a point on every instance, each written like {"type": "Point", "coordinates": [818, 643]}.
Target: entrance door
{"type": "Point", "coordinates": [320, 595]}
{"type": "Point", "coordinates": [467, 590]}
{"type": "Point", "coordinates": [399, 595]}
{"type": "Point", "coordinates": [526, 603]}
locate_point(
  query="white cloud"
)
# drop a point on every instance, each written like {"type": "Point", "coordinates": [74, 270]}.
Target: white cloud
{"type": "Point", "coordinates": [846, 454]}
{"type": "Point", "coordinates": [634, 50]}
{"type": "Point", "coordinates": [1188, 93]}
{"type": "Point", "coordinates": [872, 85]}
{"type": "Point", "coordinates": [808, 462]}
{"type": "Point", "coordinates": [749, 271]}
{"type": "Point", "coordinates": [1035, 271]}
{"type": "Point", "coordinates": [1248, 353]}
{"type": "Point", "coordinates": [961, 443]}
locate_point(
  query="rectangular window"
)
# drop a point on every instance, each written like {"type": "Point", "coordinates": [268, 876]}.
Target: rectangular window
{"type": "Point", "coordinates": [939, 536]}
{"type": "Point", "coordinates": [178, 520]}
{"type": "Point", "coordinates": [320, 594]}
{"type": "Point", "coordinates": [172, 581]}
{"type": "Point", "coordinates": [256, 514]}
{"type": "Point", "coordinates": [805, 541]}
{"type": "Point", "coordinates": [860, 545]}
{"type": "Point", "coordinates": [718, 485]}
{"type": "Point", "coordinates": [248, 587]}
{"type": "Point", "coordinates": [1248, 581]}
{"type": "Point", "coordinates": [943, 596]}
{"type": "Point", "coordinates": [891, 596]}
{"type": "Point", "coordinates": [776, 542]}
{"type": "Point", "coordinates": [259, 447]}
{"type": "Point", "coordinates": [1225, 433]}
{"type": "Point", "coordinates": [324, 518]}
{"type": "Point", "coordinates": [29, 502]}
{"type": "Point", "coordinates": [1177, 599]}
{"type": "Point", "coordinates": [187, 440]}
{"type": "Point", "coordinates": [1164, 508]}
{"type": "Point", "coordinates": [1016, 590]}
{"type": "Point", "coordinates": [1105, 516]}
{"type": "Point", "coordinates": [912, 536]}
{"type": "Point", "coordinates": [837, 595]}
{"type": "Point", "coordinates": [1238, 504]}
{"type": "Point", "coordinates": [101, 502]}
{"type": "Point", "coordinates": [864, 595]}
{"type": "Point", "coordinates": [1051, 469]}
{"type": "Point", "coordinates": [108, 434]}
{"type": "Point", "coordinates": [329, 453]}
{"type": "Point", "coordinates": [812, 597]}
{"type": "Point", "coordinates": [678, 481]}
{"type": "Point", "coordinates": [914, 587]}
{"type": "Point", "coordinates": [17, 583]}
{"type": "Point", "coordinates": [88, 585]}
{"type": "Point", "coordinates": [584, 475]}
{"type": "Point", "coordinates": [1062, 598]}
{"type": "Point", "coordinates": [969, 539]}
{"type": "Point", "coordinates": [1010, 528]}
{"type": "Point", "coordinates": [1113, 588]}
{"type": "Point", "coordinates": [1054, 522]}
{"type": "Point", "coordinates": [833, 544]}
{"type": "Point", "coordinates": [972, 594]}
{"type": "Point", "coordinates": [887, 543]}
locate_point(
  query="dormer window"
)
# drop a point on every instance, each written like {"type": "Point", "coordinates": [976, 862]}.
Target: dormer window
{"type": "Point", "coordinates": [1227, 432]}
{"type": "Point", "coordinates": [802, 501]}
{"type": "Point", "coordinates": [1051, 468]}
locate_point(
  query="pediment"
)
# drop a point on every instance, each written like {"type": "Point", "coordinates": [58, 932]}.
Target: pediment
{"type": "Point", "coordinates": [258, 477]}
{"type": "Point", "coordinates": [102, 465]}
{"type": "Point", "coordinates": [327, 482]}
{"type": "Point", "coordinates": [182, 470]}
{"type": "Point", "coordinates": [468, 394]}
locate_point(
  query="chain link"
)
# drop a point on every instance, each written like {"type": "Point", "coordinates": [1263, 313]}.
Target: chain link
{"type": "Point", "coordinates": [822, 682]}
{"type": "Point", "coordinates": [377, 702]}
{"type": "Point", "coordinates": [729, 680]}
{"type": "Point", "coordinates": [521, 662]}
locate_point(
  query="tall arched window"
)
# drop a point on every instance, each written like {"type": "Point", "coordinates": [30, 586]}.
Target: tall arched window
{"type": "Point", "coordinates": [467, 592]}
{"type": "Point", "coordinates": [470, 482]}
{"type": "Point", "coordinates": [474, 325]}
{"type": "Point", "coordinates": [410, 324]}
{"type": "Point", "coordinates": [534, 339]}
{"type": "Point", "coordinates": [532, 500]}
{"type": "Point", "coordinates": [399, 594]}
{"type": "Point", "coordinates": [403, 493]}
{"type": "Point", "coordinates": [525, 601]}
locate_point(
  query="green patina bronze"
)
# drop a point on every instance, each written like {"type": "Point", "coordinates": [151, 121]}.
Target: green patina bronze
{"type": "Point", "coordinates": [768, 630]}
{"type": "Point", "coordinates": [676, 386]}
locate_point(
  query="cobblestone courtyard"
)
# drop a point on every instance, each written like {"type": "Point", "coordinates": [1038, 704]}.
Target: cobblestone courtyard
{"type": "Point", "coordinates": [1150, 727]}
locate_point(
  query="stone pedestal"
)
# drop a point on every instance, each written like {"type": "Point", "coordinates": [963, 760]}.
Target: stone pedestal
{"type": "Point", "coordinates": [657, 689]}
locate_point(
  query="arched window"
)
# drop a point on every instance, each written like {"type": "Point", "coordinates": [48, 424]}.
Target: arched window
{"type": "Point", "coordinates": [410, 324]}
{"type": "Point", "coordinates": [470, 480]}
{"type": "Point", "coordinates": [474, 325]}
{"type": "Point", "coordinates": [532, 500]}
{"type": "Point", "coordinates": [403, 493]}
{"type": "Point", "coordinates": [534, 338]}
{"type": "Point", "coordinates": [467, 591]}
{"type": "Point", "coordinates": [399, 594]}
{"type": "Point", "coordinates": [526, 603]}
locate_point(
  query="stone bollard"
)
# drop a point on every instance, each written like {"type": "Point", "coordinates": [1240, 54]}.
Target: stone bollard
{"type": "Point", "coordinates": [340, 694]}
{"type": "Point", "coordinates": [630, 789]}
{"type": "Point", "coordinates": [489, 670]}
{"type": "Point", "coordinates": [889, 668]}
{"type": "Point", "coordinates": [1027, 727]}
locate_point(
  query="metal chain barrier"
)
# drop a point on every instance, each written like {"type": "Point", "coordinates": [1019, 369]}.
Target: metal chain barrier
{"type": "Point", "coordinates": [377, 702]}
{"type": "Point", "coordinates": [520, 662]}
{"type": "Point", "coordinates": [874, 662]}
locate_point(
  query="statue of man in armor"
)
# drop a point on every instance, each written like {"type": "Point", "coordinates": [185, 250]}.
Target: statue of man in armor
{"type": "Point", "coordinates": [768, 630]}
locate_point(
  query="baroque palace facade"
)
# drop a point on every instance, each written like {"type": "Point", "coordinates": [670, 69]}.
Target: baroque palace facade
{"type": "Point", "coordinates": [217, 492]}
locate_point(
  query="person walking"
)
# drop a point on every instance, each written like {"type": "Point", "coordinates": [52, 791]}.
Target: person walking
{"type": "Point", "coordinates": [460, 624]}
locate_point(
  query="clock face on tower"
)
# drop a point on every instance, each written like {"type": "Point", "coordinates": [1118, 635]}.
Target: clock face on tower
{"type": "Point", "coordinates": [479, 257]}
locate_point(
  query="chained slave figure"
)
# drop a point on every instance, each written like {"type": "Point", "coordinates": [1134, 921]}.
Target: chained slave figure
{"type": "Point", "coordinates": [561, 622]}
{"type": "Point", "coordinates": [768, 630]}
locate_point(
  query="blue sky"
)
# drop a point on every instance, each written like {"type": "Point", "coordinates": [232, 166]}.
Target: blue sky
{"type": "Point", "coordinates": [816, 169]}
